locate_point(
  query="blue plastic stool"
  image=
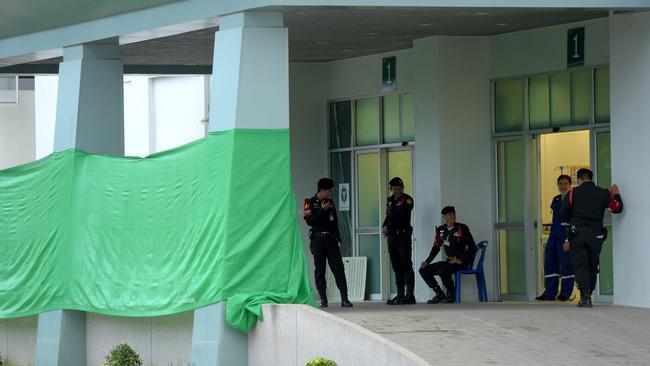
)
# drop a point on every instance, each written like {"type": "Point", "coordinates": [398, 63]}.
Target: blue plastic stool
{"type": "Point", "coordinates": [475, 269]}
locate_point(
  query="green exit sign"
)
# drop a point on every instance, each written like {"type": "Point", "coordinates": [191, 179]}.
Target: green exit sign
{"type": "Point", "coordinates": [575, 47]}
{"type": "Point", "coordinates": [388, 71]}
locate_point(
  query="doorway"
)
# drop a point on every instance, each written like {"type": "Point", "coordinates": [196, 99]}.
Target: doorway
{"type": "Point", "coordinates": [559, 154]}
{"type": "Point", "coordinates": [527, 170]}
{"type": "Point", "coordinates": [374, 168]}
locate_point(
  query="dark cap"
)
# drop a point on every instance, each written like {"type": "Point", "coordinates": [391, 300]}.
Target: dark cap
{"type": "Point", "coordinates": [325, 183]}
{"type": "Point", "coordinates": [396, 182]}
{"type": "Point", "coordinates": [448, 209]}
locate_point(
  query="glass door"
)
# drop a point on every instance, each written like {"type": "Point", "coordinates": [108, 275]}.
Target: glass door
{"type": "Point", "coordinates": [399, 164]}
{"type": "Point", "coordinates": [367, 219]}
{"type": "Point", "coordinates": [510, 176]}
{"type": "Point", "coordinates": [600, 142]}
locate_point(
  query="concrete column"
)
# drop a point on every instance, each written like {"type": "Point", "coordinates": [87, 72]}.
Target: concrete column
{"type": "Point", "coordinates": [630, 131]}
{"type": "Point", "coordinates": [90, 104]}
{"type": "Point", "coordinates": [89, 116]}
{"type": "Point", "coordinates": [249, 89]}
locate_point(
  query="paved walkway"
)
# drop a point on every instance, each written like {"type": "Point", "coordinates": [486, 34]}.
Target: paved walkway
{"type": "Point", "coordinates": [511, 333]}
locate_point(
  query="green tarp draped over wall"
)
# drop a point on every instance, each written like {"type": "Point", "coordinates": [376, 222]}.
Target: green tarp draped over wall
{"type": "Point", "coordinates": [210, 221]}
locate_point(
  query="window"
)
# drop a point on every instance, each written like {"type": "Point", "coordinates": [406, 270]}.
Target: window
{"type": "Point", "coordinates": [509, 105]}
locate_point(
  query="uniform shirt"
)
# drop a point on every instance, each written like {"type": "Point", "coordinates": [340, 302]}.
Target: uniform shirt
{"type": "Point", "coordinates": [320, 219]}
{"type": "Point", "coordinates": [457, 242]}
{"type": "Point", "coordinates": [557, 227]}
{"type": "Point", "coordinates": [398, 214]}
{"type": "Point", "coordinates": [587, 204]}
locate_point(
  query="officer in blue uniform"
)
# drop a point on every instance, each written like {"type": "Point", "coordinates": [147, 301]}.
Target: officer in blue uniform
{"type": "Point", "coordinates": [557, 262]}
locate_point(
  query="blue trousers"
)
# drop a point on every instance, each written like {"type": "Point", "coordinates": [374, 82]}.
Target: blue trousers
{"type": "Point", "coordinates": [557, 266]}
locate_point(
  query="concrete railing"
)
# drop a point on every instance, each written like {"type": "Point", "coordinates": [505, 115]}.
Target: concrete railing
{"type": "Point", "coordinates": [294, 334]}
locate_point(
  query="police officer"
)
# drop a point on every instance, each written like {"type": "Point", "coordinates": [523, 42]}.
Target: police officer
{"type": "Point", "coordinates": [584, 211]}
{"type": "Point", "coordinates": [397, 229]}
{"type": "Point", "coordinates": [460, 249]}
{"type": "Point", "coordinates": [557, 262]}
{"type": "Point", "coordinates": [325, 236]}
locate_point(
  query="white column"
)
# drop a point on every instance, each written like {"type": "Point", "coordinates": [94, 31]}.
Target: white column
{"type": "Point", "coordinates": [89, 116]}
{"type": "Point", "coordinates": [250, 73]}
{"type": "Point", "coordinates": [90, 105]}
{"type": "Point", "coordinates": [249, 90]}
{"type": "Point", "coordinates": [630, 130]}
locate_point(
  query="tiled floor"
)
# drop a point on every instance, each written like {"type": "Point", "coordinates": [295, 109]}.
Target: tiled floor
{"type": "Point", "coordinates": [511, 333]}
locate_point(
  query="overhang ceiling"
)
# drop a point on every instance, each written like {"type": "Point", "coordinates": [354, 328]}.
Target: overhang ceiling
{"type": "Point", "coordinates": [334, 34]}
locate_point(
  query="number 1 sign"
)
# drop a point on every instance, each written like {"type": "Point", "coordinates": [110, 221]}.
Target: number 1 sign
{"type": "Point", "coordinates": [575, 48]}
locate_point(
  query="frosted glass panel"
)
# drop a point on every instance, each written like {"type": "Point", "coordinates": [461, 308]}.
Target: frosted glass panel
{"type": "Point", "coordinates": [538, 99]}
{"type": "Point", "coordinates": [341, 173]}
{"type": "Point", "coordinates": [367, 121]}
{"type": "Point", "coordinates": [391, 119]}
{"type": "Point", "coordinates": [340, 124]}
{"type": "Point", "coordinates": [509, 105]}
{"type": "Point", "coordinates": [369, 247]}
{"type": "Point", "coordinates": [510, 170]}
{"type": "Point", "coordinates": [601, 78]}
{"type": "Point", "coordinates": [512, 262]}
{"type": "Point", "coordinates": [560, 99]}
{"type": "Point", "coordinates": [368, 190]}
{"type": "Point", "coordinates": [580, 96]}
{"type": "Point", "coordinates": [407, 114]}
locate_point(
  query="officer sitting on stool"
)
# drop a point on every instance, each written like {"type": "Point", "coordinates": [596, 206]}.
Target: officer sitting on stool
{"type": "Point", "coordinates": [325, 244]}
{"type": "Point", "coordinates": [460, 249]}
{"type": "Point", "coordinates": [584, 211]}
{"type": "Point", "coordinates": [397, 229]}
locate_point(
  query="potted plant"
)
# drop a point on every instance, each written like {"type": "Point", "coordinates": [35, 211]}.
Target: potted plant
{"type": "Point", "coordinates": [320, 361]}
{"type": "Point", "coordinates": [123, 355]}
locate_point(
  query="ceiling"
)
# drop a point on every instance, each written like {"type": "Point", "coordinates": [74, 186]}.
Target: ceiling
{"type": "Point", "coordinates": [29, 16]}
{"type": "Point", "coordinates": [334, 34]}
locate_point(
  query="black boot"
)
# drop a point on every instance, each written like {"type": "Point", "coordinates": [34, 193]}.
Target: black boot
{"type": "Point", "coordinates": [451, 296]}
{"type": "Point", "coordinates": [409, 299]}
{"type": "Point", "coordinates": [345, 303]}
{"type": "Point", "coordinates": [398, 299]}
{"type": "Point", "coordinates": [585, 302]}
{"type": "Point", "coordinates": [323, 301]}
{"type": "Point", "coordinates": [440, 295]}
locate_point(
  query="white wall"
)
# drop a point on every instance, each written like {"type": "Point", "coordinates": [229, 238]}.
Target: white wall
{"type": "Point", "coordinates": [17, 130]}
{"type": "Point", "coordinates": [160, 341]}
{"type": "Point", "coordinates": [138, 116]}
{"type": "Point", "coordinates": [291, 335]}
{"type": "Point", "coordinates": [46, 89]}
{"type": "Point", "coordinates": [18, 340]}
{"type": "Point", "coordinates": [544, 49]}
{"type": "Point", "coordinates": [630, 131]}
{"type": "Point", "coordinates": [179, 105]}
{"type": "Point", "coordinates": [465, 141]}
{"type": "Point", "coordinates": [307, 120]}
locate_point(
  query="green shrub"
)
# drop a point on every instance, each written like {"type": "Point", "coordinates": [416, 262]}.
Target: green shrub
{"type": "Point", "coordinates": [1, 363]}
{"type": "Point", "coordinates": [123, 355]}
{"type": "Point", "coordinates": [319, 361]}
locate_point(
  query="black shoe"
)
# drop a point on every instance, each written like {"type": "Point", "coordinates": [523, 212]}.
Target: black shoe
{"type": "Point", "coordinates": [409, 300]}
{"type": "Point", "coordinates": [585, 302]}
{"type": "Point", "coordinates": [436, 299]}
{"type": "Point", "coordinates": [543, 297]}
{"type": "Point", "coordinates": [563, 298]}
{"type": "Point", "coordinates": [323, 303]}
{"type": "Point", "coordinates": [345, 303]}
{"type": "Point", "coordinates": [397, 300]}
{"type": "Point", "coordinates": [449, 300]}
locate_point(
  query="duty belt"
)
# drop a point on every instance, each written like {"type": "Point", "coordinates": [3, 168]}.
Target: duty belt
{"type": "Point", "coordinates": [401, 232]}
{"type": "Point", "coordinates": [323, 234]}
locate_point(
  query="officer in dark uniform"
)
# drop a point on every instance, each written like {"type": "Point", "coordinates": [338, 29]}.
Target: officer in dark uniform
{"type": "Point", "coordinates": [584, 211]}
{"type": "Point", "coordinates": [460, 249]}
{"type": "Point", "coordinates": [325, 236]}
{"type": "Point", "coordinates": [397, 229]}
{"type": "Point", "coordinates": [557, 262]}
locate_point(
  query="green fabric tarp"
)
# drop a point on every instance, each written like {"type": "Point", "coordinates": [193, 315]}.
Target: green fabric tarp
{"type": "Point", "coordinates": [214, 220]}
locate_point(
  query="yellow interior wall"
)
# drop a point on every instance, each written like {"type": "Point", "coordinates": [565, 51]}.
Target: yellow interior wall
{"type": "Point", "coordinates": [568, 149]}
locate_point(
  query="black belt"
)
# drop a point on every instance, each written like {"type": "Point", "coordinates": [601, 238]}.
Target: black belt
{"type": "Point", "coordinates": [323, 234]}
{"type": "Point", "coordinates": [400, 232]}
